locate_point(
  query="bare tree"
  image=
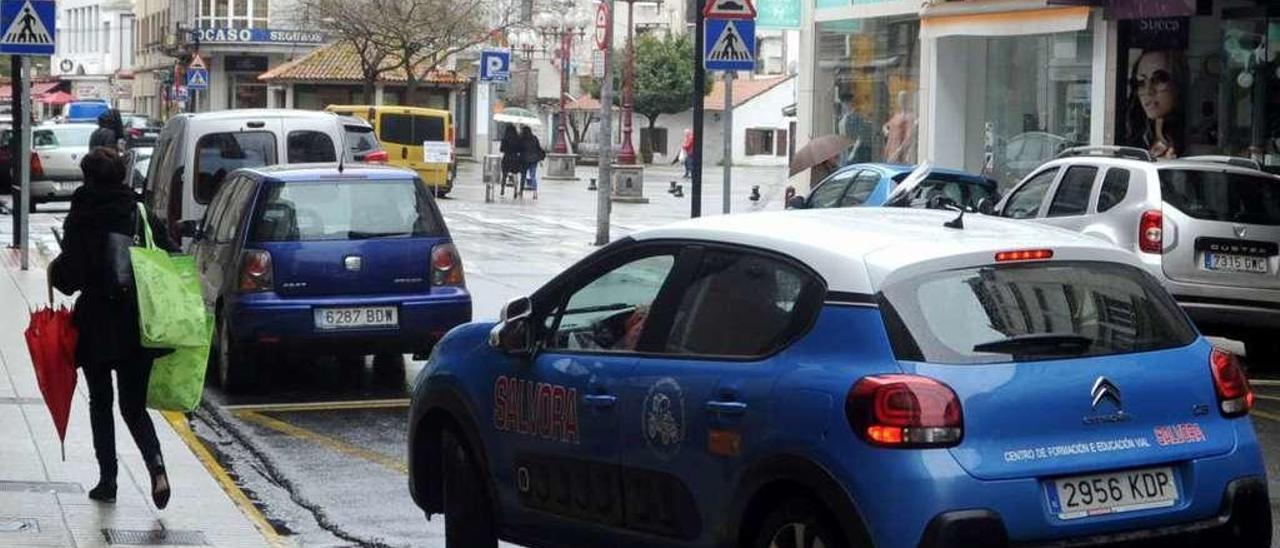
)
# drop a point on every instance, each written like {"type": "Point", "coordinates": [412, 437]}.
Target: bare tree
{"type": "Point", "coordinates": [356, 24]}
{"type": "Point", "coordinates": [420, 35]}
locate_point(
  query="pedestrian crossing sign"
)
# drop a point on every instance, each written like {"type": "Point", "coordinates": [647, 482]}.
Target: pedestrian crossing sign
{"type": "Point", "coordinates": [730, 45]}
{"type": "Point", "coordinates": [30, 27]}
{"type": "Point", "coordinates": [198, 78]}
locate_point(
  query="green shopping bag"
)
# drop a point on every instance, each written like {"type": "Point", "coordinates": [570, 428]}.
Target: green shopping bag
{"type": "Point", "coordinates": [177, 379]}
{"type": "Point", "coordinates": [171, 312]}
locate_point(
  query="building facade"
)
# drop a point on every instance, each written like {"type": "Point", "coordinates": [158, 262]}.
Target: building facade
{"type": "Point", "coordinates": [1000, 86]}
{"type": "Point", "coordinates": [95, 49]}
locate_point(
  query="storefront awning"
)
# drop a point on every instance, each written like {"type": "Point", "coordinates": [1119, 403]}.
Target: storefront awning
{"type": "Point", "coordinates": [1009, 23]}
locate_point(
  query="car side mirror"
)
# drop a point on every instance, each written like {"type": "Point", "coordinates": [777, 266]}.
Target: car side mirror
{"type": "Point", "coordinates": [797, 202]}
{"type": "Point", "coordinates": [190, 229]}
{"type": "Point", "coordinates": [514, 334]}
{"type": "Point", "coordinates": [987, 206]}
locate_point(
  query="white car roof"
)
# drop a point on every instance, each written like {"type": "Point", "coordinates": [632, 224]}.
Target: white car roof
{"type": "Point", "coordinates": [260, 113]}
{"type": "Point", "coordinates": [859, 250]}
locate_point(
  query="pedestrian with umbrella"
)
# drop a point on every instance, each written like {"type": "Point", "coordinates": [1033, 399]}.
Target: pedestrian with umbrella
{"type": "Point", "coordinates": [103, 223]}
{"type": "Point", "coordinates": [821, 155]}
{"type": "Point", "coordinates": [531, 153]}
{"type": "Point", "coordinates": [512, 165]}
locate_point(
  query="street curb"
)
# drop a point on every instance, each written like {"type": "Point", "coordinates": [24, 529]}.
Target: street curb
{"type": "Point", "coordinates": [178, 422]}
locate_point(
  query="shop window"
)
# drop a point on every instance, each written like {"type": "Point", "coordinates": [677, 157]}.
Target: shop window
{"type": "Point", "coordinates": [760, 142]}
{"type": "Point", "coordinates": [867, 78]}
{"type": "Point", "coordinates": [1201, 85]}
{"type": "Point", "coordinates": [1072, 197]}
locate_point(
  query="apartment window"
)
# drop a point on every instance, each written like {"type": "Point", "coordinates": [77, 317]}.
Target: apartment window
{"type": "Point", "coordinates": [237, 14]}
{"type": "Point", "coordinates": [760, 142]}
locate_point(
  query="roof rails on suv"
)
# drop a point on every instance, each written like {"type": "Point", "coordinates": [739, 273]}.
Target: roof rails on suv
{"type": "Point", "coordinates": [1236, 161]}
{"type": "Point", "coordinates": [1130, 153]}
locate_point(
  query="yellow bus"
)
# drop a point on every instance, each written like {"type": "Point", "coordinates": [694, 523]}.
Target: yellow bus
{"type": "Point", "coordinates": [416, 138]}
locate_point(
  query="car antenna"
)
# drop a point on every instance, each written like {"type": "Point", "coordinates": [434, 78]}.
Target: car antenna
{"type": "Point", "coordinates": [940, 202]}
{"type": "Point", "coordinates": [342, 152]}
{"type": "Point", "coordinates": [956, 223]}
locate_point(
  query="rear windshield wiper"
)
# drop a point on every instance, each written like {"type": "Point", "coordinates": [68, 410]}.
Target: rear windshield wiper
{"type": "Point", "coordinates": [1038, 343]}
{"type": "Point", "coordinates": [358, 235]}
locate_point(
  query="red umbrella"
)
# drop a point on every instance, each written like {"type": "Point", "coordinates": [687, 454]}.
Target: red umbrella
{"type": "Point", "coordinates": [51, 340]}
{"type": "Point", "coordinates": [56, 98]}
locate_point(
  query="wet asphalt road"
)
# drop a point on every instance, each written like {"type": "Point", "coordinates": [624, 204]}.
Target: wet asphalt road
{"type": "Point", "coordinates": [322, 451]}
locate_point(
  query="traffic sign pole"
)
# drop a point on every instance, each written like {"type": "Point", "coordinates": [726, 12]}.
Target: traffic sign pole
{"type": "Point", "coordinates": [24, 161]}
{"type": "Point", "coordinates": [728, 137]}
{"type": "Point", "coordinates": [699, 95]}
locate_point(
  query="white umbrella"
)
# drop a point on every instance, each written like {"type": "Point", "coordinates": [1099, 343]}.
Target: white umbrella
{"type": "Point", "coordinates": [515, 115]}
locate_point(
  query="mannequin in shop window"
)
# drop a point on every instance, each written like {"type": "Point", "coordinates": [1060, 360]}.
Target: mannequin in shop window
{"type": "Point", "coordinates": [1154, 108]}
{"type": "Point", "coordinates": [899, 133]}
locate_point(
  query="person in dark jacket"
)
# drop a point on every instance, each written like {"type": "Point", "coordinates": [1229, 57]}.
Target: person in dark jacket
{"type": "Point", "coordinates": [106, 314]}
{"type": "Point", "coordinates": [110, 130]}
{"type": "Point", "coordinates": [531, 154]}
{"type": "Point", "coordinates": [511, 151]}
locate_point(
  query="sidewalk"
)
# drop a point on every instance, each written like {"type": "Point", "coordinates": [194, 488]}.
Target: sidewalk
{"type": "Point", "coordinates": [44, 501]}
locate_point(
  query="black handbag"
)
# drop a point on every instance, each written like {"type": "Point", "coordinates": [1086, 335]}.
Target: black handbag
{"type": "Point", "coordinates": [119, 267]}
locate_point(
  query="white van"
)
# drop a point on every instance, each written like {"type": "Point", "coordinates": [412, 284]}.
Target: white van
{"type": "Point", "coordinates": [195, 152]}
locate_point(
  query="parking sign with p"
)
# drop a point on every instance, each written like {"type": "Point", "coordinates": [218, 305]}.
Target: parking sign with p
{"type": "Point", "coordinates": [495, 65]}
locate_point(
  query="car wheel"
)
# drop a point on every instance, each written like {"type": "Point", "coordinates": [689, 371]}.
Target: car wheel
{"type": "Point", "coordinates": [798, 523]}
{"type": "Point", "coordinates": [1262, 353]}
{"type": "Point", "coordinates": [468, 515]}
{"type": "Point", "coordinates": [236, 367]}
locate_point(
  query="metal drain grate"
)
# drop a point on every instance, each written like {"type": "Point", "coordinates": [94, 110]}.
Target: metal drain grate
{"type": "Point", "coordinates": [19, 525]}
{"type": "Point", "coordinates": [41, 487]}
{"type": "Point", "coordinates": [154, 537]}
{"type": "Point", "coordinates": [10, 400]}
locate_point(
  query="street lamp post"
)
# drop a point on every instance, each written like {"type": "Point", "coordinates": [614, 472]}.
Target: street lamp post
{"type": "Point", "coordinates": [627, 155]}
{"type": "Point", "coordinates": [563, 28]}
{"type": "Point", "coordinates": [524, 44]}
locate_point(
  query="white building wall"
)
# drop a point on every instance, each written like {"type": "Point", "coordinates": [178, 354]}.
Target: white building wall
{"type": "Point", "coordinates": [762, 112]}
{"type": "Point", "coordinates": [95, 43]}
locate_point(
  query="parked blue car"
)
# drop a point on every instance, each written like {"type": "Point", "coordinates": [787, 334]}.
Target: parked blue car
{"type": "Point", "coordinates": [880, 377]}
{"type": "Point", "coordinates": [874, 185]}
{"type": "Point", "coordinates": [318, 260]}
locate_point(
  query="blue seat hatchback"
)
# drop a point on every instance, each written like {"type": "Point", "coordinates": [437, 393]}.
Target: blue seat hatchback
{"type": "Point", "coordinates": [315, 259]}
{"type": "Point", "coordinates": [872, 377]}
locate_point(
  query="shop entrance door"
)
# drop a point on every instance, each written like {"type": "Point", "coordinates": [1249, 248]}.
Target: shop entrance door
{"type": "Point", "coordinates": [247, 92]}
{"type": "Point", "coordinates": [1250, 90]}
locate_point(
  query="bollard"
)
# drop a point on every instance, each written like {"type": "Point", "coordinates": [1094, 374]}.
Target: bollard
{"type": "Point", "coordinates": [672, 189]}
{"type": "Point", "coordinates": [592, 186]}
{"type": "Point", "coordinates": [755, 193]}
{"type": "Point", "coordinates": [679, 192]}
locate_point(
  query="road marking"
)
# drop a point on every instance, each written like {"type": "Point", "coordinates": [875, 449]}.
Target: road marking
{"type": "Point", "coordinates": [1264, 382]}
{"type": "Point", "coordinates": [1264, 397]}
{"type": "Point", "coordinates": [338, 445]}
{"type": "Point", "coordinates": [1264, 415]}
{"type": "Point", "coordinates": [320, 405]}
{"type": "Point", "coordinates": [179, 423]}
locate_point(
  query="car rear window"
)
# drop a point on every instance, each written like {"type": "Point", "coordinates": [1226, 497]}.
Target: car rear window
{"type": "Point", "coordinates": [1222, 196]}
{"type": "Point", "coordinates": [360, 141]}
{"type": "Point", "coordinates": [350, 209]}
{"type": "Point", "coordinates": [1029, 312]}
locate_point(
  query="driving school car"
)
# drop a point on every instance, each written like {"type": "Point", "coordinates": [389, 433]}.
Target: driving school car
{"type": "Point", "coordinates": [837, 378]}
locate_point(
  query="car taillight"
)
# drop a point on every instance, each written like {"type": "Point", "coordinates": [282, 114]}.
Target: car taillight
{"type": "Point", "coordinates": [37, 168]}
{"type": "Point", "coordinates": [376, 157]}
{"type": "Point", "coordinates": [446, 266]}
{"type": "Point", "coordinates": [905, 411]}
{"type": "Point", "coordinates": [255, 271]}
{"type": "Point", "coordinates": [134, 132]}
{"type": "Point", "coordinates": [1235, 396]}
{"type": "Point", "coordinates": [1151, 231]}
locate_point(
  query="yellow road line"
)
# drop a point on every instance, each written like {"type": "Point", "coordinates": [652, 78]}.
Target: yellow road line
{"type": "Point", "coordinates": [321, 406]}
{"type": "Point", "coordinates": [320, 439]}
{"type": "Point", "coordinates": [179, 424]}
{"type": "Point", "coordinates": [1264, 415]}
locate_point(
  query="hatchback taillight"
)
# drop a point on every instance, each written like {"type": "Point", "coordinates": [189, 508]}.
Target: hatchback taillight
{"type": "Point", "coordinates": [905, 411]}
{"type": "Point", "coordinates": [255, 271]}
{"type": "Point", "coordinates": [446, 266]}
{"type": "Point", "coordinates": [1235, 396]}
{"type": "Point", "coordinates": [1151, 231]}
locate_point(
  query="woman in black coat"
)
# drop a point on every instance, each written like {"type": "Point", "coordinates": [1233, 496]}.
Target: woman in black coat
{"type": "Point", "coordinates": [511, 149]}
{"type": "Point", "coordinates": [531, 154]}
{"type": "Point", "coordinates": [106, 314]}
{"type": "Point", "coordinates": [110, 130]}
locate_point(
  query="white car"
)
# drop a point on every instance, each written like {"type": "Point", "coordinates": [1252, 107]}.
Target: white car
{"type": "Point", "coordinates": [59, 149]}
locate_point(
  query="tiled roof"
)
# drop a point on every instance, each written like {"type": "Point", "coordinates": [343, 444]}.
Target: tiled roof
{"type": "Point", "coordinates": [338, 62]}
{"type": "Point", "coordinates": [743, 90]}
